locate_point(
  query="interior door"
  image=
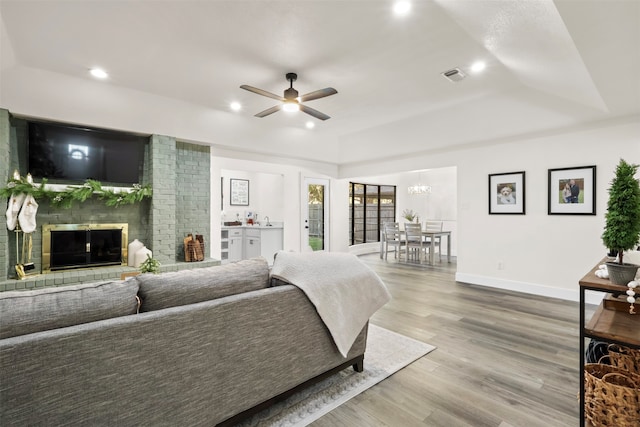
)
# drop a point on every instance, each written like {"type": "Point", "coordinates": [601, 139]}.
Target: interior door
{"type": "Point", "coordinates": [315, 214]}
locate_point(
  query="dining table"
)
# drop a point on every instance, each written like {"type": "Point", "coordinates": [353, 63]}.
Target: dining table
{"type": "Point", "coordinates": [432, 235]}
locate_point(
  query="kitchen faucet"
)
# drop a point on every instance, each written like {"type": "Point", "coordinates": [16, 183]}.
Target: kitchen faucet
{"type": "Point", "coordinates": [266, 218]}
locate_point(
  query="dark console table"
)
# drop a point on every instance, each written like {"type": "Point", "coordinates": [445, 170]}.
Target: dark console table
{"type": "Point", "coordinates": [606, 324]}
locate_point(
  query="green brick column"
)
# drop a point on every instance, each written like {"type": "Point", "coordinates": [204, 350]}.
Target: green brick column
{"type": "Point", "coordinates": [193, 194]}
{"type": "Point", "coordinates": [5, 130]}
{"type": "Point", "coordinates": [163, 204]}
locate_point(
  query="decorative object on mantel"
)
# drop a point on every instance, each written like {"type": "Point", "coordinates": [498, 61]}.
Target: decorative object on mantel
{"type": "Point", "coordinates": [622, 221]}
{"type": "Point", "coordinates": [65, 198]}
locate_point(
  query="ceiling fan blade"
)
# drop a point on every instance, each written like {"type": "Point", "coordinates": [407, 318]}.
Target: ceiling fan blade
{"type": "Point", "coordinates": [318, 94]}
{"type": "Point", "coordinates": [262, 92]}
{"type": "Point", "coordinates": [315, 113]}
{"type": "Point", "coordinates": [269, 111]}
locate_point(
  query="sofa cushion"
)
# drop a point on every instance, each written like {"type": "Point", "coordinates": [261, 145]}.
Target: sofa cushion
{"type": "Point", "coordinates": [25, 312]}
{"type": "Point", "coordinates": [164, 290]}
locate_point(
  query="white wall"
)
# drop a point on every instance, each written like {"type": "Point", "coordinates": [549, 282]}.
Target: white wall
{"type": "Point", "coordinates": [539, 253]}
{"type": "Point", "coordinates": [440, 205]}
{"type": "Point", "coordinates": [283, 192]}
{"type": "Point", "coordinates": [265, 195]}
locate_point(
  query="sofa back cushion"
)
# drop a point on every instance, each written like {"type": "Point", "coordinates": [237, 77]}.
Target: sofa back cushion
{"type": "Point", "coordinates": [25, 312]}
{"type": "Point", "coordinates": [164, 290]}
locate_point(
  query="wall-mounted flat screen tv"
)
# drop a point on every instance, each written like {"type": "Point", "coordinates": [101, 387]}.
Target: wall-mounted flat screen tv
{"type": "Point", "coordinates": [70, 154]}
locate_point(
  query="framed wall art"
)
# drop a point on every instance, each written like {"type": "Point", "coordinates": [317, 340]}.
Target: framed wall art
{"type": "Point", "coordinates": [572, 191]}
{"type": "Point", "coordinates": [239, 192]}
{"type": "Point", "coordinates": [506, 193]}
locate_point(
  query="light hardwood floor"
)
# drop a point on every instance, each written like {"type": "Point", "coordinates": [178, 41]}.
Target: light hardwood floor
{"type": "Point", "coordinates": [502, 359]}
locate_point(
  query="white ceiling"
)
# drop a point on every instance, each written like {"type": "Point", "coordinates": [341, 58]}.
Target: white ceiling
{"type": "Point", "coordinates": [551, 66]}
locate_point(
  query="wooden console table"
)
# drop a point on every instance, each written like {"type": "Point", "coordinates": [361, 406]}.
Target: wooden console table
{"type": "Point", "coordinates": [607, 325]}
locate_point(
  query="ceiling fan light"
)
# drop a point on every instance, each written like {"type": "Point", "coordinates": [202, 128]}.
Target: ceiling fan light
{"type": "Point", "coordinates": [291, 107]}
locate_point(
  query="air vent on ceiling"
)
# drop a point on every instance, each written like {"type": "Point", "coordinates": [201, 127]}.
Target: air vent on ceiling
{"type": "Point", "coordinates": [454, 75]}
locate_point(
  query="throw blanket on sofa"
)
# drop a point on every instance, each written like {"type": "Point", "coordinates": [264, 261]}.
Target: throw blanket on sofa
{"type": "Point", "coordinates": [344, 290]}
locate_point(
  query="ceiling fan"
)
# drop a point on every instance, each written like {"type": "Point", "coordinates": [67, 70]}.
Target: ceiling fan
{"type": "Point", "coordinates": [291, 101]}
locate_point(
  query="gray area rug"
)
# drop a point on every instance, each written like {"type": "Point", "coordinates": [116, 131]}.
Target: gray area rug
{"type": "Point", "coordinates": [387, 352]}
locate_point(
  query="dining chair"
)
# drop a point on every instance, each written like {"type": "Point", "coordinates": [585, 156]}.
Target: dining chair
{"type": "Point", "coordinates": [391, 234]}
{"type": "Point", "coordinates": [413, 239]}
{"type": "Point", "coordinates": [434, 226]}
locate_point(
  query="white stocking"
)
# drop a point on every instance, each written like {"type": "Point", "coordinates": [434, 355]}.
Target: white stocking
{"type": "Point", "coordinates": [27, 217]}
{"type": "Point", "coordinates": [15, 203]}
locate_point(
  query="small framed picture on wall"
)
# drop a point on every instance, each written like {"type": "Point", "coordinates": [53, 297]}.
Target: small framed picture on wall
{"type": "Point", "coordinates": [506, 193]}
{"type": "Point", "coordinates": [239, 194]}
{"type": "Point", "coordinates": [572, 191]}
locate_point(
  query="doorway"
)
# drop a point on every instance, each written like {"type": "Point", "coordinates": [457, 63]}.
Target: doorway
{"type": "Point", "coordinates": [315, 213]}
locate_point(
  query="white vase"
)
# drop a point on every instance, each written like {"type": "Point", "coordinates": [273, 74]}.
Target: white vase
{"type": "Point", "coordinates": [133, 247]}
{"type": "Point", "coordinates": [141, 256]}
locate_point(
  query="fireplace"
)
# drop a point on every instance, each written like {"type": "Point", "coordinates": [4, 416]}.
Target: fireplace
{"type": "Point", "coordinates": [69, 246]}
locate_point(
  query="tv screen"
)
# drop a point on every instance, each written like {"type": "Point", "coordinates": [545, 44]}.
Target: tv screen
{"type": "Point", "coordinates": [68, 154]}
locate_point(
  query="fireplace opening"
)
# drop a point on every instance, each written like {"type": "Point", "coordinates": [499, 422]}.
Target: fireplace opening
{"type": "Point", "coordinates": [69, 246]}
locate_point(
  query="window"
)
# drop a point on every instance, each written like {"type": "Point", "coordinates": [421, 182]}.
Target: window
{"type": "Point", "coordinates": [370, 206]}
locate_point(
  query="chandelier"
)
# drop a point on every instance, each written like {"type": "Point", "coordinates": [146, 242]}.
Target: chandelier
{"type": "Point", "coordinates": [419, 189]}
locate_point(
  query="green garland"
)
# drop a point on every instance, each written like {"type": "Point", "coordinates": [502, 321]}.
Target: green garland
{"type": "Point", "coordinates": [65, 198]}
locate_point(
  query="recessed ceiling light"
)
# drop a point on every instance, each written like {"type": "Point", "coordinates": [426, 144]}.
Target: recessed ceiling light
{"type": "Point", "coordinates": [478, 66]}
{"type": "Point", "coordinates": [235, 106]}
{"type": "Point", "coordinates": [99, 73]}
{"type": "Point", "coordinates": [402, 7]}
{"type": "Point", "coordinates": [310, 125]}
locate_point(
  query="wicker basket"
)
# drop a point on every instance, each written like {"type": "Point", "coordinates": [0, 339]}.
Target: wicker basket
{"type": "Point", "coordinates": [611, 395]}
{"type": "Point", "coordinates": [625, 358]}
{"type": "Point", "coordinates": [194, 248]}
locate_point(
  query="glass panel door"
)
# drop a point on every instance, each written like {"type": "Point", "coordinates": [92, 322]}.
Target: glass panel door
{"type": "Point", "coordinates": [315, 201]}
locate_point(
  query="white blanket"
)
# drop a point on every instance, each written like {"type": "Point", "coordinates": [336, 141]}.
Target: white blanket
{"type": "Point", "coordinates": [344, 290]}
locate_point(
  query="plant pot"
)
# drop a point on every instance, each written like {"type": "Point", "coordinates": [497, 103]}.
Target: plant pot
{"type": "Point", "coordinates": [621, 274]}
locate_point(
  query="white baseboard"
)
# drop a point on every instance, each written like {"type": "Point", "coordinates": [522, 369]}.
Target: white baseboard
{"type": "Point", "coordinates": [530, 288]}
{"type": "Point", "coordinates": [364, 248]}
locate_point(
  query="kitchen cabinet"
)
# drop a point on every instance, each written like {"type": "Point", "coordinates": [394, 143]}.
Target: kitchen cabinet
{"type": "Point", "coordinates": [270, 242]}
{"type": "Point", "coordinates": [245, 242]}
{"type": "Point", "coordinates": [236, 242]}
{"type": "Point", "coordinates": [252, 240]}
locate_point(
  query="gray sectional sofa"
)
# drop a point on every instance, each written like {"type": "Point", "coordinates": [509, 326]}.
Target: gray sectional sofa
{"type": "Point", "coordinates": [200, 347]}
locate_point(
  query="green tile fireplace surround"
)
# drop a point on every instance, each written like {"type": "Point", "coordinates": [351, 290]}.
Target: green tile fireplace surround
{"type": "Point", "coordinates": [179, 174]}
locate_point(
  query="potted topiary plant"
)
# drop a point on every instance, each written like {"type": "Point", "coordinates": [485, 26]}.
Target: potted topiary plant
{"type": "Point", "coordinates": [622, 221]}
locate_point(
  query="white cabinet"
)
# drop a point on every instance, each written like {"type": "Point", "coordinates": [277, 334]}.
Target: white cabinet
{"type": "Point", "coordinates": [270, 242]}
{"type": "Point", "coordinates": [235, 252]}
{"type": "Point", "coordinates": [252, 247]}
{"type": "Point", "coordinates": [249, 242]}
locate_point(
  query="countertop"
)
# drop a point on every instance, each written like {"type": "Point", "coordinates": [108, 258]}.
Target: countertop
{"type": "Point", "coordinates": [275, 225]}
